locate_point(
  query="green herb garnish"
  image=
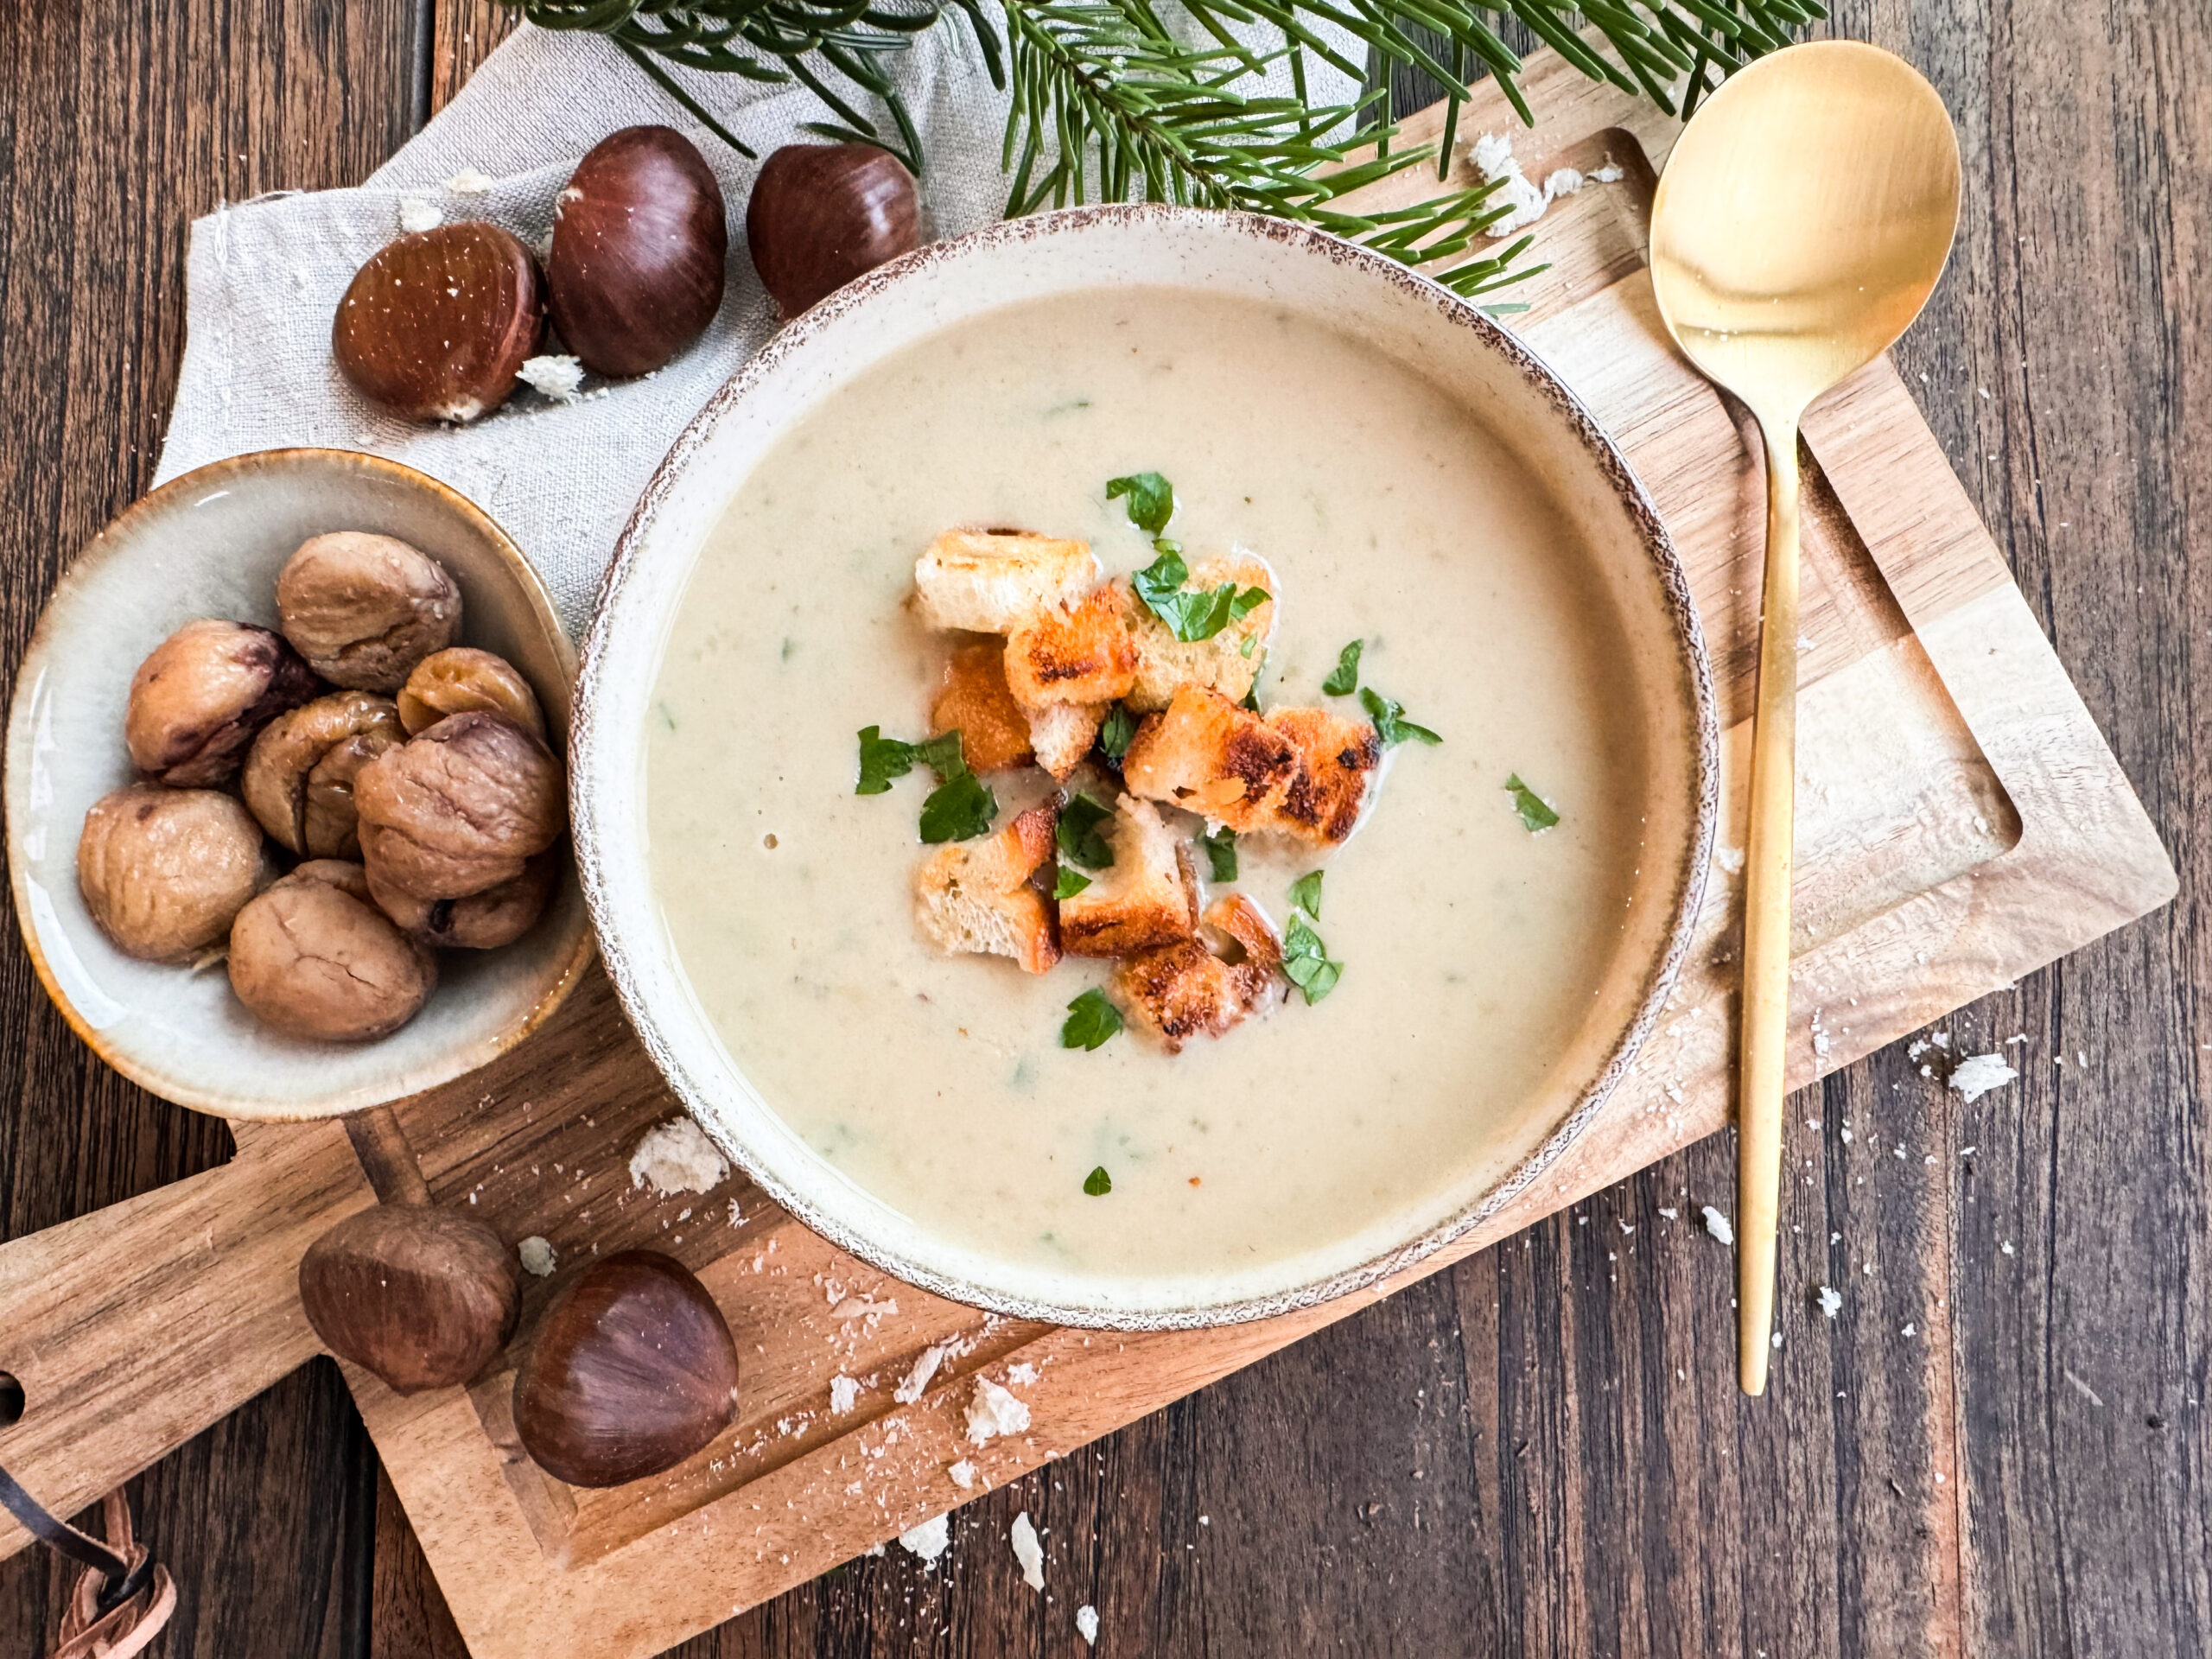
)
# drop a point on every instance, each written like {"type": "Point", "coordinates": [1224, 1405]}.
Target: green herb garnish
{"type": "Point", "coordinates": [1192, 615]}
{"type": "Point", "coordinates": [1252, 696]}
{"type": "Point", "coordinates": [1306, 893]}
{"type": "Point", "coordinates": [1305, 962]}
{"type": "Point", "coordinates": [1536, 814]}
{"type": "Point", "coordinates": [1151, 500]}
{"type": "Point", "coordinates": [1098, 1183]}
{"type": "Point", "coordinates": [1079, 835]}
{"type": "Point", "coordinates": [959, 809]}
{"type": "Point", "coordinates": [1343, 679]}
{"type": "Point", "coordinates": [1116, 731]}
{"type": "Point", "coordinates": [1071, 883]}
{"type": "Point", "coordinates": [1092, 1020]}
{"type": "Point", "coordinates": [1221, 854]}
{"type": "Point", "coordinates": [882, 758]}
{"type": "Point", "coordinates": [1390, 722]}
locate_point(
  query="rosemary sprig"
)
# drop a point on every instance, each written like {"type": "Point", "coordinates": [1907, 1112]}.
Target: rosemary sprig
{"type": "Point", "coordinates": [1107, 103]}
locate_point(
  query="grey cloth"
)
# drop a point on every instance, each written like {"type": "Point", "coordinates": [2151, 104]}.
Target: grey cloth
{"type": "Point", "coordinates": [265, 277]}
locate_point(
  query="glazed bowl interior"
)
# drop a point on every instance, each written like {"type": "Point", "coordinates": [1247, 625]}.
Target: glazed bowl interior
{"type": "Point", "coordinates": [210, 543]}
{"type": "Point", "coordinates": [1668, 722]}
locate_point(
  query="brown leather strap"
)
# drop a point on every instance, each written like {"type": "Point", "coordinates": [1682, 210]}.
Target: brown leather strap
{"type": "Point", "coordinates": [58, 1534]}
{"type": "Point", "coordinates": [123, 1599]}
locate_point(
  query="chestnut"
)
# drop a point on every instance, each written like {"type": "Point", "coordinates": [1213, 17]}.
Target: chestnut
{"type": "Point", "coordinates": [481, 921]}
{"type": "Point", "coordinates": [631, 1370]}
{"type": "Point", "coordinates": [364, 609]}
{"type": "Point", "coordinates": [821, 214]}
{"type": "Point", "coordinates": [198, 700]}
{"type": "Point", "coordinates": [423, 1297]}
{"type": "Point", "coordinates": [639, 244]}
{"type": "Point", "coordinates": [436, 325]}
{"type": "Point", "coordinates": [313, 956]}
{"type": "Point", "coordinates": [164, 872]}
{"type": "Point", "coordinates": [298, 779]}
{"type": "Point", "coordinates": [460, 807]}
{"type": "Point", "coordinates": [455, 681]}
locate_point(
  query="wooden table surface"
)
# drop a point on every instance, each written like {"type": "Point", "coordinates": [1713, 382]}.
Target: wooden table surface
{"type": "Point", "coordinates": [1540, 1451]}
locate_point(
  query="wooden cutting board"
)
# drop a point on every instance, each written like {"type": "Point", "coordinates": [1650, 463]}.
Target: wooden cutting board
{"type": "Point", "coordinates": [1961, 823]}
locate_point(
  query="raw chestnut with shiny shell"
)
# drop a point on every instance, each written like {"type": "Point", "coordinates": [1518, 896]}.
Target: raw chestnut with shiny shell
{"type": "Point", "coordinates": [821, 214]}
{"type": "Point", "coordinates": [197, 701]}
{"type": "Point", "coordinates": [639, 245]}
{"type": "Point", "coordinates": [437, 325]}
{"type": "Point", "coordinates": [631, 1370]}
{"type": "Point", "coordinates": [423, 1297]}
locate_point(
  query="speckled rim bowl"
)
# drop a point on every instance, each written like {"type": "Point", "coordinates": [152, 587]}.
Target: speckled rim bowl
{"type": "Point", "coordinates": [1519, 400]}
{"type": "Point", "coordinates": [210, 543]}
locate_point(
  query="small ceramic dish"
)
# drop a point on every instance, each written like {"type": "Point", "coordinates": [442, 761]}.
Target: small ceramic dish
{"type": "Point", "coordinates": [210, 543]}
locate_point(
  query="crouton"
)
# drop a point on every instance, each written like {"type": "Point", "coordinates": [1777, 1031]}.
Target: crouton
{"type": "Point", "coordinates": [975, 703]}
{"type": "Point", "coordinates": [1062, 733]}
{"type": "Point", "coordinates": [1079, 654]}
{"type": "Point", "coordinates": [1226, 663]}
{"type": "Point", "coordinates": [1183, 990]}
{"type": "Point", "coordinates": [990, 580]}
{"type": "Point", "coordinates": [1205, 754]}
{"type": "Point", "coordinates": [1148, 898]}
{"type": "Point", "coordinates": [1335, 758]}
{"type": "Point", "coordinates": [975, 896]}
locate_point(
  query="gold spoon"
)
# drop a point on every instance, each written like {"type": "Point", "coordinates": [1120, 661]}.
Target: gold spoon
{"type": "Point", "coordinates": [1804, 216]}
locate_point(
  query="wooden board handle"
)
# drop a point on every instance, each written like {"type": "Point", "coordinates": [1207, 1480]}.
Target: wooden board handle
{"type": "Point", "coordinates": [132, 1328]}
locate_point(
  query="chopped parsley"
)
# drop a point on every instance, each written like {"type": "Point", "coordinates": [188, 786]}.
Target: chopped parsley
{"type": "Point", "coordinates": [1114, 733]}
{"type": "Point", "coordinates": [1537, 813]}
{"type": "Point", "coordinates": [882, 758]}
{"type": "Point", "coordinates": [1080, 836]}
{"type": "Point", "coordinates": [1071, 882]}
{"type": "Point", "coordinates": [1305, 962]}
{"type": "Point", "coordinates": [1390, 722]}
{"type": "Point", "coordinates": [1098, 1183]}
{"type": "Point", "coordinates": [1306, 893]}
{"type": "Point", "coordinates": [1221, 854]}
{"type": "Point", "coordinates": [960, 808]}
{"type": "Point", "coordinates": [1151, 500]}
{"type": "Point", "coordinates": [1191, 615]}
{"type": "Point", "coordinates": [1092, 1020]}
{"type": "Point", "coordinates": [1343, 679]}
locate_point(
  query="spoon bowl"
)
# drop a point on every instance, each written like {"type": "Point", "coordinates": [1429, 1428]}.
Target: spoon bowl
{"type": "Point", "coordinates": [1801, 222]}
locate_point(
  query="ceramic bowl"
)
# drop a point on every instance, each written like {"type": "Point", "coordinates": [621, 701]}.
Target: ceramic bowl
{"type": "Point", "coordinates": [210, 543]}
{"type": "Point", "coordinates": [1390, 310]}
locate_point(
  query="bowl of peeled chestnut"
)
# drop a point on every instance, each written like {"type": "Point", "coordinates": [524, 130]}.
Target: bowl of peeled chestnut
{"type": "Point", "coordinates": [287, 816]}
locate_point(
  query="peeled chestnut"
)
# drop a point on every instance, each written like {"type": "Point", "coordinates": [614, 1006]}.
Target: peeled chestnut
{"type": "Point", "coordinates": [631, 1371]}
{"type": "Point", "coordinates": [481, 921]}
{"type": "Point", "coordinates": [460, 807]}
{"type": "Point", "coordinates": [298, 778]}
{"type": "Point", "coordinates": [436, 325]}
{"type": "Point", "coordinates": [197, 701]}
{"type": "Point", "coordinates": [314, 956]}
{"type": "Point", "coordinates": [423, 1297]}
{"type": "Point", "coordinates": [364, 609]}
{"type": "Point", "coordinates": [639, 242]}
{"type": "Point", "coordinates": [454, 682]}
{"type": "Point", "coordinates": [165, 871]}
{"type": "Point", "coordinates": [821, 214]}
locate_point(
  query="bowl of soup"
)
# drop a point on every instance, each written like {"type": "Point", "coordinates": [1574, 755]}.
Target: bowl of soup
{"type": "Point", "coordinates": [1336, 848]}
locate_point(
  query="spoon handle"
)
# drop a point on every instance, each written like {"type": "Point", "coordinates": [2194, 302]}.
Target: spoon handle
{"type": "Point", "coordinates": [1766, 917]}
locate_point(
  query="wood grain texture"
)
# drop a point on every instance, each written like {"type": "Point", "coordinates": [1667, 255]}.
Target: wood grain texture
{"type": "Point", "coordinates": [1539, 1452]}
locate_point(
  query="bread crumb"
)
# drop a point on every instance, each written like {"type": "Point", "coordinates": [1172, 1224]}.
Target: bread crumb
{"type": "Point", "coordinates": [557, 377]}
{"type": "Point", "coordinates": [1729, 858]}
{"type": "Point", "coordinates": [1907, 1330]}
{"type": "Point", "coordinates": [417, 214]}
{"type": "Point", "coordinates": [1086, 1624]}
{"type": "Point", "coordinates": [537, 1257]}
{"type": "Point", "coordinates": [468, 182]}
{"type": "Point", "coordinates": [1716, 1224]}
{"type": "Point", "coordinates": [1671, 1215]}
{"type": "Point", "coordinates": [962, 1474]}
{"type": "Point", "coordinates": [736, 1215]}
{"type": "Point", "coordinates": [2007, 1246]}
{"type": "Point", "coordinates": [1831, 1301]}
{"type": "Point", "coordinates": [1028, 1551]}
{"type": "Point", "coordinates": [930, 1540]}
{"type": "Point", "coordinates": [1977, 1074]}
{"type": "Point", "coordinates": [919, 1374]}
{"type": "Point", "coordinates": [677, 1157]}
{"type": "Point", "coordinates": [1022, 1376]}
{"type": "Point", "coordinates": [994, 1411]}
{"type": "Point", "coordinates": [843, 1391]}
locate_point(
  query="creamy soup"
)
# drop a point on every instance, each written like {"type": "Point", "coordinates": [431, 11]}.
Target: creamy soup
{"type": "Point", "coordinates": [1303, 1141]}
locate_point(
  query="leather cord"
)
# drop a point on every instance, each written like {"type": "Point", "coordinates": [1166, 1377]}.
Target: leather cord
{"type": "Point", "coordinates": [122, 1600]}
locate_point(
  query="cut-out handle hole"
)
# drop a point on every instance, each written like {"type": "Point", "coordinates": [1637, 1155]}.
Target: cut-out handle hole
{"type": "Point", "coordinates": [11, 1399]}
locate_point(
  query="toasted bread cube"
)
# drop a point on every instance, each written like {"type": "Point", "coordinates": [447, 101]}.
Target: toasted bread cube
{"type": "Point", "coordinates": [1149, 896]}
{"type": "Point", "coordinates": [975, 896]}
{"type": "Point", "coordinates": [990, 581]}
{"type": "Point", "coordinates": [975, 703]}
{"type": "Point", "coordinates": [1208, 756]}
{"type": "Point", "coordinates": [1079, 654]}
{"type": "Point", "coordinates": [1336, 759]}
{"type": "Point", "coordinates": [1062, 733]}
{"type": "Point", "coordinates": [1225, 663]}
{"type": "Point", "coordinates": [1183, 990]}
